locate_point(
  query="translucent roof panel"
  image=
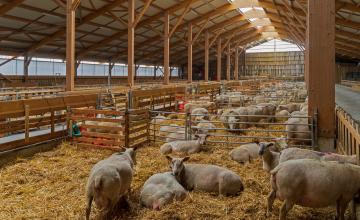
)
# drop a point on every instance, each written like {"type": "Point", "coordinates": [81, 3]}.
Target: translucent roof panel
{"type": "Point", "coordinates": [274, 45]}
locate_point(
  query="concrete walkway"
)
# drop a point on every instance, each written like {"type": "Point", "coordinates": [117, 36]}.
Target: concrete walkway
{"type": "Point", "coordinates": [348, 100]}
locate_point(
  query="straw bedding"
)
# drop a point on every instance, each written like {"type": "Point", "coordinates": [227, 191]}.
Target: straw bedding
{"type": "Point", "coordinates": [51, 185]}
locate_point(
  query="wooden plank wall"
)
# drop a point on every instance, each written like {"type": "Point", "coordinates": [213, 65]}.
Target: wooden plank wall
{"type": "Point", "coordinates": [348, 134]}
{"type": "Point", "coordinates": [23, 116]}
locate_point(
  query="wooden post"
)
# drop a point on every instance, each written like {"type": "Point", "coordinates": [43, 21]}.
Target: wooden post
{"type": "Point", "coordinates": [236, 70]}
{"type": "Point", "coordinates": [70, 46]}
{"type": "Point", "coordinates": [155, 69]}
{"type": "Point", "coordinates": [228, 63]}
{"type": "Point", "coordinates": [320, 65]}
{"type": "Point", "coordinates": [52, 121]}
{"type": "Point", "coordinates": [131, 32]}
{"type": "Point", "coordinates": [206, 64]}
{"type": "Point", "coordinates": [27, 61]}
{"type": "Point", "coordinates": [111, 66]}
{"type": "Point", "coordinates": [166, 48]}
{"type": "Point", "coordinates": [218, 72]}
{"type": "Point", "coordinates": [189, 69]}
{"type": "Point", "coordinates": [27, 127]}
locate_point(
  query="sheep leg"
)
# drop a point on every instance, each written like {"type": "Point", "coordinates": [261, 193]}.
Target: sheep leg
{"type": "Point", "coordinates": [88, 206]}
{"type": "Point", "coordinates": [285, 208]}
{"type": "Point", "coordinates": [270, 201]}
{"type": "Point", "coordinates": [343, 206]}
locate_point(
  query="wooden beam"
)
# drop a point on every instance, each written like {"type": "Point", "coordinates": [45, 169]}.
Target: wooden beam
{"type": "Point", "coordinates": [228, 63]}
{"type": "Point", "coordinates": [8, 6]}
{"type": "Point", "coordinates": [206, 64]}
{"type": "Point", "coordinates": [60, 3]}
{"type": "Point", "coordinates": [320, 64]}
{"type": "Point", "coordinates": [215, 37]}
{"type": "Point", "coordinates": [218, 63]}
{"type": "Point", "coordinates": [140, 15]}
{"type": "Point", "coordinates": [293, 13]}
{"type": "Point", "coordinates": [131, 33]}
{"type": "Point", "coordinates": [75, 4]}
{"type": "Point", "coordinates": [236, 70]}
{"type": "Point", "coordinates": [166, 47]}
{"type": "Point", "coordinates": [70, 46]}
{"type": "Point", "coordinates": [189, 44]}
{"type": "Point", "coordinates": [180, 19]}
{"type": "Point", "coordinates": [200, 30]}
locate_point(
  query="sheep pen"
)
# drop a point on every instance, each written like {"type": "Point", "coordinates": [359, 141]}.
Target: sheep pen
{"type": "Point", "coordinates": [51, 185]}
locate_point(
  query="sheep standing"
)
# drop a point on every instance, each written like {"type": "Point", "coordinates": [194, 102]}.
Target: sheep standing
{"type": "Point", "coordinates": [189, 147]}
{"type": "Point", "coordinates": [161, 189]}
{"type": "Point", "coordinates": [205, 177]}
{"type": "Point", "coordinates": [110, 180]}
{"type": "Point", "coordinates": [271, 158]}
{"type": "Point", "coordinates": [314, 184]}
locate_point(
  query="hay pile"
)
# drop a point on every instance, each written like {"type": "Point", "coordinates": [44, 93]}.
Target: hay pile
{"type": "Point", "coordinates": [51, 185]}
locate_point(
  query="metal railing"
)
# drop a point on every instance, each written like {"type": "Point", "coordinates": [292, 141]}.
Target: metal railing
{"type": "Point", "coordinates": [264, 129]}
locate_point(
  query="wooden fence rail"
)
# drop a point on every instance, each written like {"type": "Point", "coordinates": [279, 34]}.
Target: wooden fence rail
{"type": "Point", "coordinates": [348, 134]}
{"type": "Point", "coordinates": [25, 122]}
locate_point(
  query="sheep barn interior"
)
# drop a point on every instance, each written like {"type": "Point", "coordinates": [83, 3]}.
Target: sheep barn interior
{"type": "Point", "coordinates": [179, 109]}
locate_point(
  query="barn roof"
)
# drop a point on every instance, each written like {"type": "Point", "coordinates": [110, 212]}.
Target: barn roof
{"type": "Point", "coordinates": [38, 28]}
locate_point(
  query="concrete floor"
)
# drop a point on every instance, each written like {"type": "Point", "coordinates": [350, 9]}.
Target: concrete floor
{"type": "Point", "coordinates": [348, 100]}
{"type": "Point", "coordinates": [33, 133]}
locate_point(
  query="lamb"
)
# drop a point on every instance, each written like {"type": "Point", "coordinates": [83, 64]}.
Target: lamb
{"type": "Point", "coordinates": [205, 177]}
{"type": "Point", "coordinates": [189, 147]}
{"type": "Point", "coordinates": [313, 183]}
{"type": "Point", "coordinates": [245, 153]}
{"type": "Point", "coordinates": [161, 189]}
{"type": "Point", "coordinates": [110, 180]}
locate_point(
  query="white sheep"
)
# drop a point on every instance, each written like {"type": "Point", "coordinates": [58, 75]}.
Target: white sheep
{"type": "Point", "coordinates": [245, 153]}
{"type": "Point", "coordinates": [189, 146]}
{"type": "Point", "coordinates": [161, 189]}
{"type": "Point", "coordinates": [205, 177]}
{"type": "Point", "coordinates": [315, 184]}
{"type": "Point", "coordinates": [110, 180]}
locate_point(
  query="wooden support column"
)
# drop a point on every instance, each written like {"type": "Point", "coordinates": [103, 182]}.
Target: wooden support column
{"type": "Point", "coordinates": [111, 66]}
{"type": "Point", "coordinates": [320, 67]}
{"type": "Point", "coordinates": [155, 69]}
{"type": "Point", "coordinates": [131, 33]}
{"type": "Point", "coordinates": [236, 64]}
{"type": "Point", "coordinates": [166, 48]}
{"type": "Point", "coordinates": [218, 63]}
{"type": "Point", "coordinates": [206, 64]}
{"type": "Point", "coordinates": [228, 65]}
{"type": "Point", "coordinates": [70, 45]}
{"type": "Point", "coordinates": [189, 69]}
{"type": "Point", "coordinates": [27, 61]}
